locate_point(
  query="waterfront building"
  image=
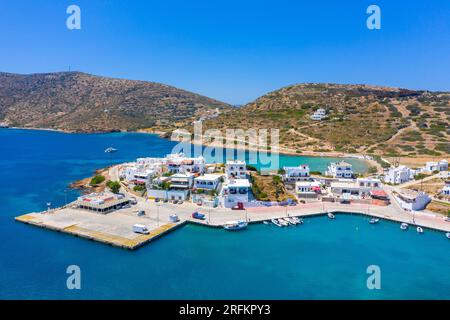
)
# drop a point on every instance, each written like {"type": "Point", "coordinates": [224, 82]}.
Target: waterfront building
{"type": "Point", "coordinates": [307, 189]}
{"type": "Point", "coordinates": [208, 181]}
{"type": "Point", "coordinates": [236, 169]}
{"type": "Point", "coordinates": [412, 200]}
{"type": "Point", "coordinates": [398, 175]}
{"type": "Point", "coordinates": [340, 169]}
{"type": "Point", "coordinates": [101, 202]}
{"type": "Point", "coordinates": [294, 174]}
{"type": "Point", "coordinates": [359, 188]}
{"type": "Point", "coordinates": [235, 192]}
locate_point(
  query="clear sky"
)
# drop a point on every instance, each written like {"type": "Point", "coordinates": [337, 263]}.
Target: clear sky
{"type": "Point", "coordinates": [234, 50]}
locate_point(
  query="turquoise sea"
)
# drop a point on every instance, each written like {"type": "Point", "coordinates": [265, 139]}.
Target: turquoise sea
{"type": "Point", "coordinates": [322, 259]}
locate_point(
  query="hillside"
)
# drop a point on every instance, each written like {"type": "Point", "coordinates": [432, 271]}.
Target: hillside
{"type": "Point", "coordinates": [75, 101]}
{"type": "Point", "coordinates": [366, 119]}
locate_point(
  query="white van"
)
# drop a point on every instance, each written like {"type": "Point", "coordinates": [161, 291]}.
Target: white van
{"type": "Point", "coordinates": [140, 228]}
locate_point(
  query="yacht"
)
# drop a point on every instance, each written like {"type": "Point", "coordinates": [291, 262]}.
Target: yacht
{"type": "Point", "coordinates": [330, 215]}
{"type": "Point", "coordinates": [110, 150]}
{"type": "Point", "coordinates": [419, 230]}
{"type": "Point", "coordinates": [235, 225]}
{"type": "Point", "coordinates": [374, 221]}
{"type": "Point", "coordinates": [404, 226]}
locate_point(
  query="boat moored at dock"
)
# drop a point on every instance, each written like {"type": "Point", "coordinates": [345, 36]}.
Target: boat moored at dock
{"type": "Point", "coordinates": [447, 235]}
{"type": "Point", "coordinates": [275, 222]}
{"type": "Point", "coordinates": [235, 225]}
{"type": "Point", "coordinates": [330, 215]}
{"type": "Point", "coordinates": [374, 221]}
{"type": "Point", "coordinates": [419, 230]}
{"type": "Point", "coordinates": [404, 226]}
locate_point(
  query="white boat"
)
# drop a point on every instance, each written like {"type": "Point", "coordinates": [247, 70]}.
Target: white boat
{"type": "Point", "coordinates": [297, 220]}
{"type": "Point", "coordinates": [292, 221]}
{"type": "Point", "coordinates": [275, 222]}
{"type": "Point", "coordinates": [404, 226]}
{"type": "Point", "coordinates": [266, 222]}
{"type": "Point", "coordinates": [330, 215]}
{"type": "Point", "coordinates": [235, 225]}
{"type": "Point", "coordinates": [419, 230]}
{"type": "Point", "coordinates": [110, 150]}
{"type": "Point", "coordinates": [283, 223]}
{"type": "Point", "coordinates": [374, 221]}
{"type": "Point", "coordinates": [288, 221]}
{"type": "Point", "coordinates": [447, 235]}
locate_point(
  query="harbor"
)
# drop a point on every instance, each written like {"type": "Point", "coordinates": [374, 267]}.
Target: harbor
{"type": "Point", "coordinates": [115, 228]}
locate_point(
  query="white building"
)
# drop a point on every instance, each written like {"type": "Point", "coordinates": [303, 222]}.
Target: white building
{"type": "Point", "coordinates": [436, 166]}
{"type": "Point", "coordinates": [235, 191]}
{"type": "Point", "coordinates": [307, 189]}
{"type": "Point", "coordinates": [178, 163]}
{"type": "Point", "coordinates": [397, 175]}
{"type": "Point", "coordinates": [412, 200]}
{"type": "Point", "coordinates": [236, 169]}
{"type": "Point", "coordinates": [446, 189]}
{"type": "Point", "coordinates": [358, 188]}
{"type": "Point", "coordinates": [208, 181]}
{"type": "Point", "coordinates": [319, 114]}
{"type": "Point", "coordinates": [293, 174]}
{"type": "Point", "coordinates": [340, 169]}
{"type": "Point", "coordinates": [182, 181]}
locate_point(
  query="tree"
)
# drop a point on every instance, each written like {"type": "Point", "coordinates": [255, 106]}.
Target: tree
{"type": "Point", "coordinates": [114, 186]}
{"type": "Point", "coordinates": [97, 179]}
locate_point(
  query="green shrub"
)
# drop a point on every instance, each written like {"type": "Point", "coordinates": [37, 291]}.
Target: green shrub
{"type": "Point", "coordinates": [96, 180]}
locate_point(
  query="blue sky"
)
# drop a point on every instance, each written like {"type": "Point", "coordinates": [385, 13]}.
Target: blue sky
{"type": "Point", "coordinates": [233, 50]}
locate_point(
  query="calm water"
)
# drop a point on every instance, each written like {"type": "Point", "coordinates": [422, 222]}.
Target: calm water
{"type": "Point", "coordinates": [321, 259]}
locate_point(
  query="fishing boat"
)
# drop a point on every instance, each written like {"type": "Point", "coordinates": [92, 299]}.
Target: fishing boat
{"type": "Point", "coordinates": [275, 222]}
{"type": "Point", "coordinates": [447, 235]}
{"type": "Point", "coordinates": [330, 215]}
{"type": "Point", "coordinates": [110, 150]}
{"type": "Point", "coordinates": [374, 221]}
{"type": "Point", "coordinates": [235, 225]}
{"type": "Point", "coordinates": [419, 230]}
{"type": "Point", "coordinates": [404, 226]}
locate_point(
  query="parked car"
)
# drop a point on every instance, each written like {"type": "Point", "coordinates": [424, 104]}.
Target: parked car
{"type": "Point", "coordinates": [175, 201]}
{"type": "Point", "coordinates": [141, 213]}
{"type": "Point", "coordinates": [180, 201]}
{"type": "Point", "coordinates": [156, 199]}
{"type": "Point", "coordinates": [165, 200]}
{"type": "Point", "coordinates": [197, 215]}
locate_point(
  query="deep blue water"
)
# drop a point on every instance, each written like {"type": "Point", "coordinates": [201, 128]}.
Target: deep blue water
{"type": "Point", "coordinates": [321, 259]}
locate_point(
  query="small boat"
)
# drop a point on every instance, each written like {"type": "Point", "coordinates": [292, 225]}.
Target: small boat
{"type": "Point", "coordinates": [283, 223]}
{"type": "Point", "coordinates": [447, 235]}
{"type": "Point", "coordinates": [419, 230]}
{"type": "Point", "coordinates": [292, 220]}
{"type": "Point", "coordinates": [110, 150]}
{"type": "Point", "coordinates": [374, 221]}
{"type": "Point", "coordinates": [275, 222]}
{"type": "Point", "coordinates": [266, 222]}
{"type": "Point", "coordinates": [199, 216]}
{"type": "Point", "coordinates": [235, 225]}
{"type": "Point", "coordinates": [288, 221]}
{"type": "Point", "coordinates": [404, 226]}
{"type": "Point", "coordinates": [330, 215]}
{"type": "Point", "coordinates": [297, 220]}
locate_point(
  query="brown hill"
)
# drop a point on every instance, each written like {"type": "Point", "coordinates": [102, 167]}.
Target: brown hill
{"type": "Point", "coordinates": [360, 118]}
{"type": "Point", "coordinates": [75, 101]}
